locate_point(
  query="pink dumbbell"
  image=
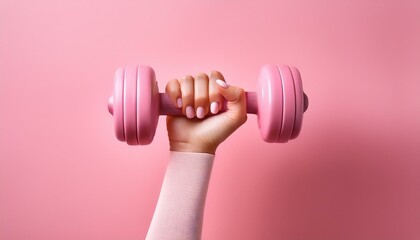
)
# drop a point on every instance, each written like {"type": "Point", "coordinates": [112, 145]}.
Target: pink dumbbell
{"type": "Point", "coordinates": [136, 104]}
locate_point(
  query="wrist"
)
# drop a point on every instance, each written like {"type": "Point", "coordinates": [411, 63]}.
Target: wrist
{"type": "Point", "coordinates": [189, 147]}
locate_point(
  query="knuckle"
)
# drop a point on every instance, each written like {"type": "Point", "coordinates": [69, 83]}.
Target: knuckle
{"type": "Point", "coordinates": [240, 92]}
{"type": "Point", "coordinates": [186, 79]}
{"type": "Point", "coordinates": [171, 84]}
{"type": "Point", "coordinates": [201, 76]}
{"type": "Point", "coordinates": [216, 75]}
{"type": "Point", "coordinates": [172, 92]}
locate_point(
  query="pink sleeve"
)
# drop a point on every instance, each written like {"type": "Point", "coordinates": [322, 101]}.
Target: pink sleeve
{"type": "Point", "coordinates": [179, 211]}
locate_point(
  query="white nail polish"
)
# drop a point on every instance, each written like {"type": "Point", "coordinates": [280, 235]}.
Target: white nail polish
{"type": "Point", "coordinates": [214, 107]}
{"type": "Point", "coordinates": [179, 102]}
{"type": "Point", "coordinates": [222, 83]}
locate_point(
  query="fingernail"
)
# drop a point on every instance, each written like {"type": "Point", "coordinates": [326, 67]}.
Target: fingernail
{"type": "Point", "coordinates": [179, 102]}
{"type": "Point", "coordinates": [214, 107]}
{"type": "Point", "coordinates": [200, 112]}
{"type": "Point", "coordinates": [222, 83]}
{"type": "Point", "coordinates": [190, 112]}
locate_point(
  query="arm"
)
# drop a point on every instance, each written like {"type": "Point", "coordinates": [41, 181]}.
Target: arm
{"type": "Point", "coordinates": [193, 140]}
{"type": "Point", "coordinates": [180, 208]}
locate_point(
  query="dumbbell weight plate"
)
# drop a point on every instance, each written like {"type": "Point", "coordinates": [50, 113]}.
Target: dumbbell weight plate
{"type": "Point", "coordinates": [147, 104]}
{"type": "Point", "coordinates": [299, 102]}
{"type": "Point", "coordinates": [130, 105]}
{"type": "Point", "coordinates": [289, 103]}
{"type": "Point", "coordinates": [270, 103]}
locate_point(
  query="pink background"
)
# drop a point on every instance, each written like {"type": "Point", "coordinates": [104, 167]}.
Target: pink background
{"type": "Point", "coordinates": [354, 172]}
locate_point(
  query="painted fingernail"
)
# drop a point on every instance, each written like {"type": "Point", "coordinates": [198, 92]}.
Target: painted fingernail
{"type": "Point", "coordinates": [190, 112]}
{"type": "Point", "coordinates": [222, 83]}
{"type": "Point", "coordinates": [214, 107]}
{"type": "Point", "coordinates": [200, 112]}
{"type": "Point", "coordinates": [179, 102]}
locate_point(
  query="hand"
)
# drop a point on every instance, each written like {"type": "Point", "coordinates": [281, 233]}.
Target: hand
{"type": "Point", "coordinates": [196, 131]}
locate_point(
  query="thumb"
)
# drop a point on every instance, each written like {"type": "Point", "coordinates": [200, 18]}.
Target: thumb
{"type": "Point", "coordinates": [236, 105]}
{"type": "Point", "coordinates": [230, 93]}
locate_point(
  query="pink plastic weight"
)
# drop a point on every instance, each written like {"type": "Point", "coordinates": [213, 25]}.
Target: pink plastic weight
{"type": "Point", "coordinates": [147, 105]}
{"type": "Point", "coordinates": [136, 104]}
{"type": "Point", "coordinates": [270, 103]}
{"type": "Point", "coordinates": [130, 105]}
{"type": "Point", "coordinates": [299, 102]}
{"type": "Point", "coordinates": [289, 104]}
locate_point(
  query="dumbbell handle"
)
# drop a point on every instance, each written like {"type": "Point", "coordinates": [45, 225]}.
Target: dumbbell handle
{"type": "Point", "coordinates": [167, 107]}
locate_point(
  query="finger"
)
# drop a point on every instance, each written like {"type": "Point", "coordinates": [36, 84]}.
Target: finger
{"type": "Point", "coordinates": [201, 95]}
{"type": "Point", "coordinates": [173, 89]}
{"type": "Point", "coordinates": [215, 99]}
{"type": "Point", "coordinates": [187, 92]}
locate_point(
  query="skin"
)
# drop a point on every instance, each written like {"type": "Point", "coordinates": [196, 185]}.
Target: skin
{"type": "Point", "coordinates": [193, 140]}
{"type": "Point", "coordinates": [203, 133]}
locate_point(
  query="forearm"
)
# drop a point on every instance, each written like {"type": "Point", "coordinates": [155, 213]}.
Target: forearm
{"type": "Point", "coordinates": [180, 208]}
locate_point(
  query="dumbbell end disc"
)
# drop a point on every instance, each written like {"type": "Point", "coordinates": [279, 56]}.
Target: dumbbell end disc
{"type": "Point", "coordinates": [111, 105]}
{"type": "Point", "coordinates": [306, 102]}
